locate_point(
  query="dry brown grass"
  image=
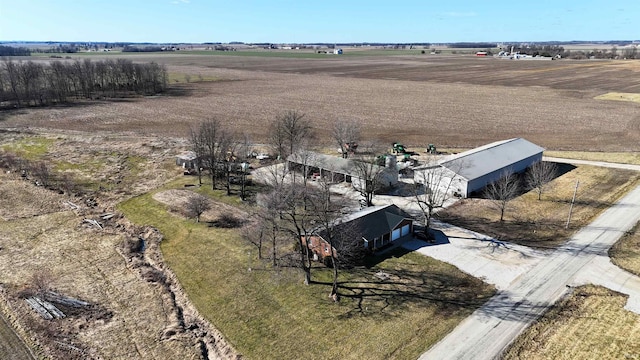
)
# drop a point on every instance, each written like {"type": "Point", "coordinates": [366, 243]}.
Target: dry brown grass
{"type": "Point", "coordinates": [616, 96]}
{"type": "Point", "coordinates": [591, 323]}
{"type": "Point", "coordinates": [417, 100]}
{"type": "Point", "coordinates": [83, 263]}
{"type": "Point", "coordinates": [614, 157]}
{"type": "Point", "coordinates": [542, 223]}
{"type": "Point", "coordinates": [626, 252]}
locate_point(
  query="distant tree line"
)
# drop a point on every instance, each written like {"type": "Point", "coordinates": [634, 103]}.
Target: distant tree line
{"type": "Point", "coordinates": [14, 51]}
{"type": "Point", "coordinates": [472, 45]}
{"type": "Point", "coordinates": [35, 84]}
{"type": "Point", "coordinates": [550, 50]}
{"type": "Point", "coordinates": [547, 50]}
{"type": "Point", "coordinates": [131, 48]}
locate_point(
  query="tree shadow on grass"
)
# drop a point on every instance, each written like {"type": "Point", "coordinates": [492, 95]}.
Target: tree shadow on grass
{"type": "Point", "coordinates": [382, 293]}
{"type": "Point", "coordinates": [543, 234]}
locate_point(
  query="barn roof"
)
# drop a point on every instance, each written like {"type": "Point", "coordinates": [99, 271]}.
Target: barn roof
{"type": "Point", "coordinates": [331, 163]}
{"type": "Point", "coordinates": [492, 157]}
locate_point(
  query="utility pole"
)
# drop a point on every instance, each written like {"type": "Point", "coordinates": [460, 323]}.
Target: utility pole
{"type": "Point", "coordinates": [575, 191]}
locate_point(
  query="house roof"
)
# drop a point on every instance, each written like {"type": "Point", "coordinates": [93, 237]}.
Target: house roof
{"type": "Point", "coordinates": [331, 163]}
{"type": "Point", "coordinates": [492, 157]}
{"type": "Point", "coordinates": [370, 222]}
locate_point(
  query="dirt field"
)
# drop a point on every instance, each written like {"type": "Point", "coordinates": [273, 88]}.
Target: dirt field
{"type": "Point", "coordinates": [138, 311]}
{"type": "Point", "coordinates": [452, 101]}
{"type": "Point", "coordinates": [122, 148]}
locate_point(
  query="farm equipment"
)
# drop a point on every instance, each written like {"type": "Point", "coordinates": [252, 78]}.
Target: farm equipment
{"type": "Point", "coordinates": [431, 149]}
{"type": "Point", "coordinates": [400, 149]}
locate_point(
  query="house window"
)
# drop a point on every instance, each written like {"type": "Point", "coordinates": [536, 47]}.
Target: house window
{"type": "Point", "coordinates": [365, 243]}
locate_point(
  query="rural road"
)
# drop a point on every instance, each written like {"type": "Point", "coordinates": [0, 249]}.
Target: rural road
{"type": "Point", "coordinates": [593, 163]}
{"type": "Point", "coordinates": [491, 328]}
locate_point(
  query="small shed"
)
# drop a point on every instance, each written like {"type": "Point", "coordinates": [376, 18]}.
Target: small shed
{"type": "Point", "coordinates": [187, 160]}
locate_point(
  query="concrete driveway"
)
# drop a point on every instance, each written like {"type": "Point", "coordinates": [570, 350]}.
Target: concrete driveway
{"type": "Point", "coordinates": [493, 261]}
{"type": "Point", "coordinates": [490, 329]}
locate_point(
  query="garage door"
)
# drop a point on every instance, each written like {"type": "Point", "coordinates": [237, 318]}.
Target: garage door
{"type": "Point", "coordinates": [405, 230]}
{"type": "Point", "coordinates": [395, 235]}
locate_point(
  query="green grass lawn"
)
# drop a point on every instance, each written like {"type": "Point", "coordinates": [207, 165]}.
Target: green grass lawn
{"type": "Point", "coordinates": [31, 147]}
{"type": "Point", "coordinates": [268, 313]}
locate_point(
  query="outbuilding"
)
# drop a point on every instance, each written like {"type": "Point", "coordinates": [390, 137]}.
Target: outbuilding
{"type": "Point", "coordinates": [336, 169]}
{"type": "Point", "coordinates": [470, 171]}
{"type": "Point", "coordinates": [187, 160]}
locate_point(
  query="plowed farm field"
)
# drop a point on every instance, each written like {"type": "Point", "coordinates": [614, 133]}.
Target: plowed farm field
{"type": "Point", "coordinates": [451, 101]}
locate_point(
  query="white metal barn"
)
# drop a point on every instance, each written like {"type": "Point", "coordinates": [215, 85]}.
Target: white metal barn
{"type": "Point", "coordinates": [472, 170]}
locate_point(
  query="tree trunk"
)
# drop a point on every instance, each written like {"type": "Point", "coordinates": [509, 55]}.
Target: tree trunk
{"type": "Point", "coordinates": [228, 180]}
{"type": "Point", "coordinates": [303, 262]}
{"type": "Point", "coordinates": [334, 288]}
{"type": "Point", "coordinates": [273, 250]}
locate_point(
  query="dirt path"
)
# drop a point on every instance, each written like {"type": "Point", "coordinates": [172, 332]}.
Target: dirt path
{"type": "Point", "coordinates": [490, 329]}
{"type": "Point", "coordinates": [11, 345]}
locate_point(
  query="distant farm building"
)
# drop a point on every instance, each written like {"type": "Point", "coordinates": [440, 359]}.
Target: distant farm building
{"type": "Point", "coordinates": [470, 171]}
{"type": "Point", "coordinates": [336, 169]}
{"type": "Point", "coordinates": [482, 53]}
{"type": "Point", "coordinates": [370, 229]}
{"type": "Point", "coordinates": [337, 51]}
{"type": "Point", "coordinates": [187, 160]}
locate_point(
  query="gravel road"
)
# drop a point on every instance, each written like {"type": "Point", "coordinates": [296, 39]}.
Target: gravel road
{"type": "Point", "coordinates": [495, 325]}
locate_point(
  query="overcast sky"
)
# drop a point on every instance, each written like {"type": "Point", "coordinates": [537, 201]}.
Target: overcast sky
{"type": "Point", "coordinates": [308, 21]}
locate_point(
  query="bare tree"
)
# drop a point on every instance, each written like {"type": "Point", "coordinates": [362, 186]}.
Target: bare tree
{"type": "Point", "coordinates": [254, 233]}
{"type": "Point", "coordinates": [276, 175]}
{"type": "Point", "coordinates": [42, 172]}
{"type": "Point", "coordinates": [196, 206]}
{"type": "Point", "coordinates": [303, 158]}
{"type": "Point", "coordinates": [270, 212]}
{"type": "Point", "coordinates": [346, 133]}
{"type": "Point", "coordinates": [298, 218]}
{"type": "Point", "coordinates": [539, 175]}
{"type": "Point", "coordinates": [198, 148]}
{"type": "Point", "coordinates": [503, 190]}
{"type": "Point", "coordinates": [215, 141]}
{"type": "Point", "coordinates": [344, 238]}
{"type": "Point", "coordinates": [369, 173]}
{"type": "Point", "coordinates": [229, 158]}
{"type": "Point", "coordinates": [435, 185]}
{"type": "Point", "coordinates": [289, 133]}
{"type": "Point", "coordinates": [244, 147]}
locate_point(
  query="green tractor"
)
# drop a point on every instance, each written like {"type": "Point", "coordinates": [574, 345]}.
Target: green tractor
{"type": "Point", "coordinates": [431, 149]}
{"type": "Point", "coordinates": [398, 148]}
